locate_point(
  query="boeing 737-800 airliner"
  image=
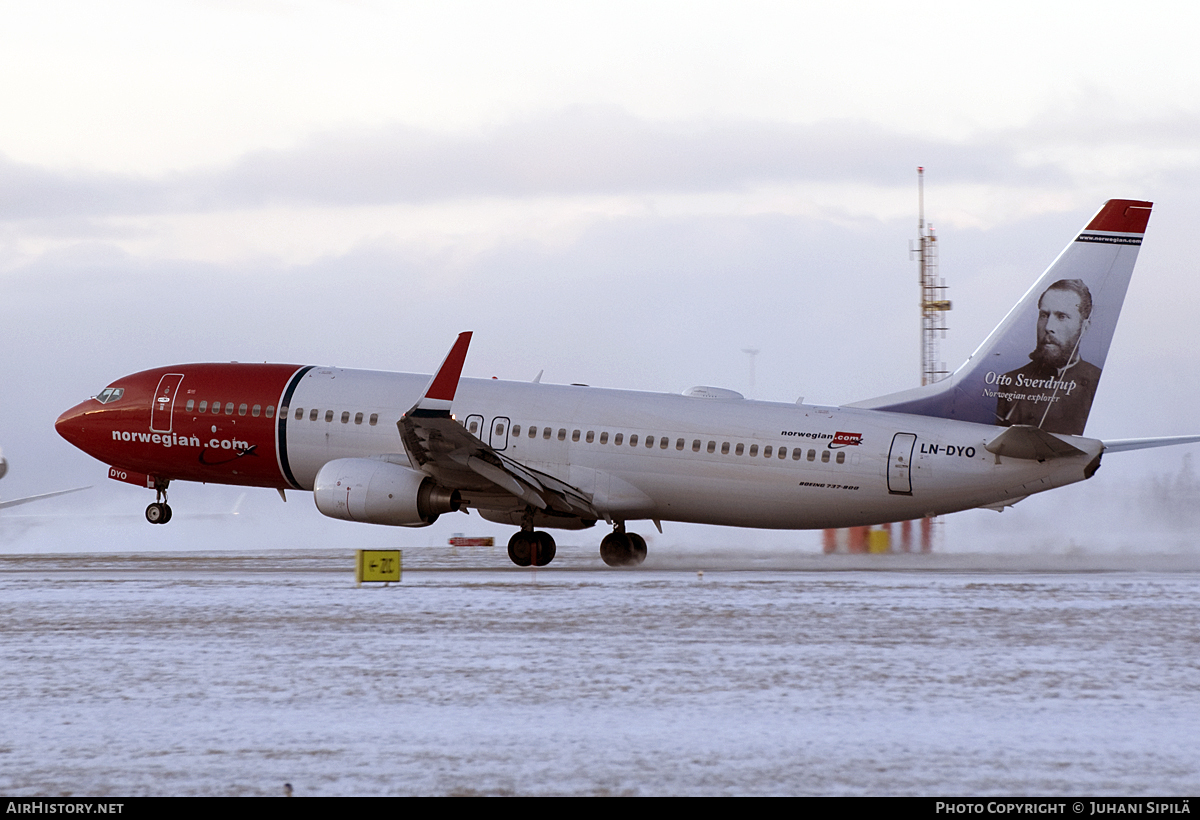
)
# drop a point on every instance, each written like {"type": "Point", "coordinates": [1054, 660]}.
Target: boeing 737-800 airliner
{"type": "Point", "coordinates": [401, 449]}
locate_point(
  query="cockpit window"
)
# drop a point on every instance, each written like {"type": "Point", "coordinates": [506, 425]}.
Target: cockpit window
{"type": "Point", "coordinates": [110, 394]}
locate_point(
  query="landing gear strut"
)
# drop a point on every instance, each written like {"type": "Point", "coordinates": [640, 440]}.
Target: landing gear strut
{"type": "Point", "coordinates": [622, 549]}
{"type": "Point", "coordinates": [160, 511]}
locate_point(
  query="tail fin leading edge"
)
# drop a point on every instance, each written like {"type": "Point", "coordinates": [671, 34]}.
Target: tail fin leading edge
{"type": "Point", "coordinates": [1068, 317]}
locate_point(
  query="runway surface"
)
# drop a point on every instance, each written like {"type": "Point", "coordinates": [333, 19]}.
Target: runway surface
{"type": "Point", "coordinates": [231, 673]}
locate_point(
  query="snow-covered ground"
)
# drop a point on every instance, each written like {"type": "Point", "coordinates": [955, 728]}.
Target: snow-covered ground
{"type": "Point", "coordinates": [233, 673]}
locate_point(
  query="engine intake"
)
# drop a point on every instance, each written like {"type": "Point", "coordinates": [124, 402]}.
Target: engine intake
{"type": "Point", "coordinates": [379, 492]}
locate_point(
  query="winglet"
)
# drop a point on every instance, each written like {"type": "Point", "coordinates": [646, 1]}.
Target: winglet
{"type": "Point", "coordinates": [440, 393]}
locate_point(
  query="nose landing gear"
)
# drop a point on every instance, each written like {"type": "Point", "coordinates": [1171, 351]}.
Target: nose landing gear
{"type": "Point", "coordinates": [622, 549]}
{"type": "Point", "coordinates": [159, 512]}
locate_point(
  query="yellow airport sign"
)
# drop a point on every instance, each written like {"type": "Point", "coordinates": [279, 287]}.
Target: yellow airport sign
{"type": "Point", "coordinates": [377, 565]}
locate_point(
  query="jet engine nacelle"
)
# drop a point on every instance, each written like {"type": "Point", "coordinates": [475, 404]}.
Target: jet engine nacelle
{"type": "Point", "coordinates": [379, 492]}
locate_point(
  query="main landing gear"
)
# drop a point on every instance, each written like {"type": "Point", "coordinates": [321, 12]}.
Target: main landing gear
{"type": "Point", "coordinates": [529, 548]}
{"type": "Point", "coordinates": [622, 549]}
{"type": "Point", "coordinates": [160, 511]}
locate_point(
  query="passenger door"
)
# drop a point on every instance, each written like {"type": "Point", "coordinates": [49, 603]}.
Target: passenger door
{"type": "Point", "coordinates": [164, 402]}
{"type": "Point", "coordinates": [899, 475]}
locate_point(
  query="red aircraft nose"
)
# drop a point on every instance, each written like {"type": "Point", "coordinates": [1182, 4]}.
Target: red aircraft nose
{"type": "Point", "coordinates": [72, 425]}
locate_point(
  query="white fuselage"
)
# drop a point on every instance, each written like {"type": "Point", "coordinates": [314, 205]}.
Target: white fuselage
{"type": "Point", "coordinates": [683, 458]}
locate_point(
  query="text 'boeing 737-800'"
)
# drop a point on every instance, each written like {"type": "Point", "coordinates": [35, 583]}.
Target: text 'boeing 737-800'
{"type": "Point", "coordinates": [401, 449]}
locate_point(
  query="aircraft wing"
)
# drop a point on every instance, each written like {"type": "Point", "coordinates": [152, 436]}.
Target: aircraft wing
{"type": "Point", "coordinates": [436, 444]}
{"type": "Point", "coordinates": [16, 501]}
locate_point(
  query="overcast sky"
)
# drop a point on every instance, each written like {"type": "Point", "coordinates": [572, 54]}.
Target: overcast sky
{"type": "Point", "coordinates": [623, 194]}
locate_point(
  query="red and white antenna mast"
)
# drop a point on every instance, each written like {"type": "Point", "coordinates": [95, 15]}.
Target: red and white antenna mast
{"type": "Point", "coordinates": [934, 303]}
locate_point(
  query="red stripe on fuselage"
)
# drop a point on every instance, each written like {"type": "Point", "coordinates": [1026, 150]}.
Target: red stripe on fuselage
{"type": "Point", "coordinates": [234, 447]}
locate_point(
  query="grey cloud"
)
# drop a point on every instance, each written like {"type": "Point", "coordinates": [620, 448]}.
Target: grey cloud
{"type": "Point", "coordinates": [573, 152]}
{"type": "Point", "coordinates": [30, 192]}
{"type": "Point", "coordinates": [586, 152]}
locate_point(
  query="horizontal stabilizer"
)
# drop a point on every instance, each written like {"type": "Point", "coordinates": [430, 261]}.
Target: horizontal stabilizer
{"type": "Point", "coordinates": [1123, 444]}
{"type": "Point", "coordinates": [1024, 441]}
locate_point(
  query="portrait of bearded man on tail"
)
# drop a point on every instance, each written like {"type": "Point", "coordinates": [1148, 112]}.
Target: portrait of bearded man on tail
{"type": "Point", "coordinates": [1056, 387]}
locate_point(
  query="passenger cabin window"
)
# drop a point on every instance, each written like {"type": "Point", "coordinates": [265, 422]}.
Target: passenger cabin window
{"type": "Point", "coordinates": [724, 448]}
{"type": "Point", "coordinates": [695, 445]}
{"type": "Point", "coordinates": [812, 455]}
{"type": "Point", "coordinates": [191, 403]}
{"type": "Point", "coordinates": [824, 456]}
{"type": "Point", "coordinates": [473, 427]}
{"type": "Point", "coordinates": [203, 407]}
{"type": "Point", "coordinates": [242, 408]}
{"type": "Point", "coordinates": [533, 432]}
{"type": "Point", "coordinates": [738, 450]}
{"type": "Point", "coordinates": [618, 438]}
{"type": "Point", "coordinates": [712, 446]}
{"type": "Point", "coordinates": [633, 440]}
{"type": "Point", "coordinates": [574, 435]}
{"type": "Point", "coordinates": [591, 436]}
{"type": "Point", "coordinates": [229, 408]}
{"type": "Point", "coordinates": [841, 457]}
{"type": "Point", "coordinates": [516, 431]}
{"type": "Point", "coordinates": [767, 451]}
{"type": "Point", "coordinates": [783, 452]}
{"type": "Point", "coordinates": [663, 442]}
{"type": "Point", "coordinates": [374, 419]}
{"type": "Point", "coordinates": [216, 407]}
{"type": "Point", "coordinates": [271, 411]}
{"type": "Point", "coordinates": [345, 417]}
{"type": "Point", "coordinates": [604, 437]}
{"type": "Point", "coordinates": [328, 416]}
{"type": "Point", "coordinates": [299, 413]}
{"type": "Point", "coordinates": [499, 428]}
{"type": "Point", "coordinates": [256, 410]}
{"type": "Point", "coordinates": [649, 442]}
{"type": "Point", "coordinates": [312, 416]}
{"type": "Point", "coordinates": [562, 433]}
{"type": "Point", "coordinates": [679, 444]}
{"type": "Point", "coordinates": [753, 450]}
{"type": "Point", "coordinates": [546, 433]}
{"type": "Point", "coordinates": [358, 417]}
